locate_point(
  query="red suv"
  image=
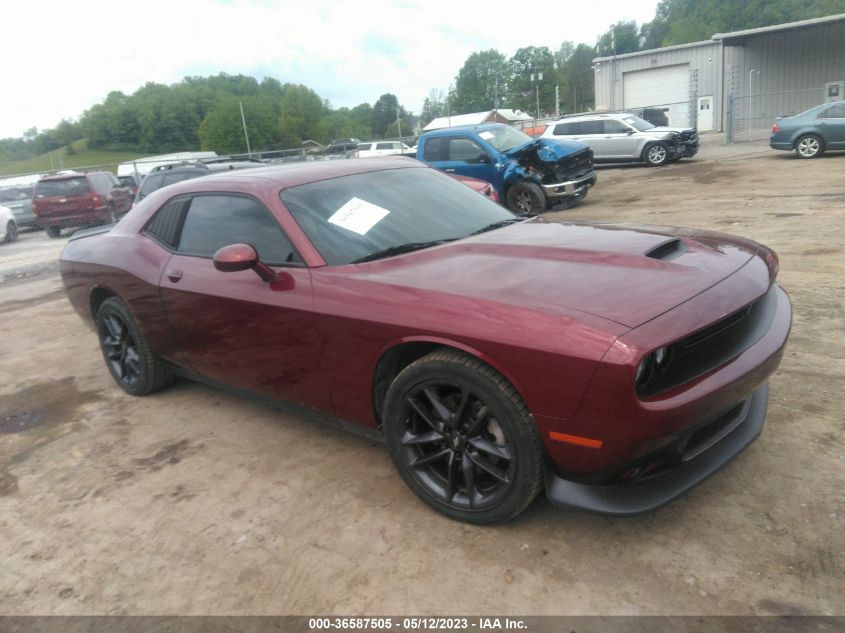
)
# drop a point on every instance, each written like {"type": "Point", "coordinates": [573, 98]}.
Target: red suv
{"type": "Point", "coordinates": [75, 199]}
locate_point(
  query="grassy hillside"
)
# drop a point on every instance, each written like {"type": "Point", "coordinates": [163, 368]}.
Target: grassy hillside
{"type": "Point", "coordinates": [60, 159]}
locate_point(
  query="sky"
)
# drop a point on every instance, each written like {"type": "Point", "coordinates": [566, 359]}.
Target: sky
{"type": "Point", "coordinates": [60, 58]}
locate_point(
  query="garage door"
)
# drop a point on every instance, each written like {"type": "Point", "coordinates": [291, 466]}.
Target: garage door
{"type": "Point", "coordinates": [666, 88]}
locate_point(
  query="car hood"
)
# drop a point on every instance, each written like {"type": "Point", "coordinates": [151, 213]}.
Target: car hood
{"type": "Point", "coordinates": [548, 150]}
{"type": "Point", "coordinates": [622, 273]}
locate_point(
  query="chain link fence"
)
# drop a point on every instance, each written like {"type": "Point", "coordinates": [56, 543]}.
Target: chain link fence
{"type": "Point", "coordinates": [749, 118]}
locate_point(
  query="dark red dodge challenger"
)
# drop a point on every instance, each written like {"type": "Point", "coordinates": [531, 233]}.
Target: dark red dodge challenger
{"type": "Point", "coordinates": [614, 366]}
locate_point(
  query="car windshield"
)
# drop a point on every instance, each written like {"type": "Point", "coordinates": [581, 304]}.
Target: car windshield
{"type": "Point", "coordinates": [505, 137]}
{"type": "Point", "coordinates": [637, 123]}
{"type": "Point", "coordinates": [64, 187]}
{"type": "Point", "coordinates": [353, 217]}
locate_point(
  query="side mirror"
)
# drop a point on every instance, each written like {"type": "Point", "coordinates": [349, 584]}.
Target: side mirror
{"type": "Point", "coordinates": [629, 132]}
{"type": "Point", "coordinates": [235, 257]}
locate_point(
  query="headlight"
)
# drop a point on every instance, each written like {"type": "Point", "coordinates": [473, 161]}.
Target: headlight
{"type": "Point", "coordinates": [652, 362]}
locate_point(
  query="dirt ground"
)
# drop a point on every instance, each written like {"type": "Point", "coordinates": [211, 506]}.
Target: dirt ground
{"type": "Point", "coordinates": [193, 501]}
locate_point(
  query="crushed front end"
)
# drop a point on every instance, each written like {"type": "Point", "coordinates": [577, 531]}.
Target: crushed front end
{"type": "Point", "coordinates": [564, 169]}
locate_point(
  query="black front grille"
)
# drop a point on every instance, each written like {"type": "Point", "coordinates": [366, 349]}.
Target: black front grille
{"type": "Point", "coordinates": [714, 345]}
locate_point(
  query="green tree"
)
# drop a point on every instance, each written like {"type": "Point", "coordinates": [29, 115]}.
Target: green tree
{"type": "Point", "coordinates": [301, 111]}
{"type": "Point", "coordinates": [222, 128]}
{"type": "Point", "coordinates": [621, 38]}
{"type": "Point", "coordinates": [683, 21]}
{"type": "Point", "coordinates": [481, 81]}
{"type": "Point", "coordinates": [525, 62]}
{"type": "Point", "coordinates": [577, 77]}
{"type": "Point", "coordinates": [385, 111]}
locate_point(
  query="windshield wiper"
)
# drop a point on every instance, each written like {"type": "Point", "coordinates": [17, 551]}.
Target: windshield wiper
{"type": "Point", "coordinates": [496, 225]}
{"type": "Point", "coordinates": [399, 249]}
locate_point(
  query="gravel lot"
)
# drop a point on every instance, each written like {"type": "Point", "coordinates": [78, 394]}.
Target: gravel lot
{"type": "Point", "coordinates": [194, 501]}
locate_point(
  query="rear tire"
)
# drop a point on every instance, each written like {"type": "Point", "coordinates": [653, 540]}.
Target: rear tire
{"type": "Point", "coordinates": [809, 146]}
{"type": "Point", "coordinates": [131, 362]}
{"type": "Point", "coordinates": [462, 439]}
{"type": "Point", "coordinates": [525, 198]}
{"type": "Point", "coordinates": [11, 232]}
{"type": "Point", "coordinates": [53, 231]}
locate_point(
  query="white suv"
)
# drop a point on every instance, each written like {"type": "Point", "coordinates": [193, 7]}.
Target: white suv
{"type": "Point", "coordinates": [624, 137]}
{"type": "Point", "coordinates": [383, 148]}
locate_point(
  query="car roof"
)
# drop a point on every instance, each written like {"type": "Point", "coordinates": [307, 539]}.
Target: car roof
{"type": "Point", "coordinates": [293, 174]}
{"type": "Point", "coordinates": [76, 174]}
{"type": "Point", "coordinates": [482, 127]}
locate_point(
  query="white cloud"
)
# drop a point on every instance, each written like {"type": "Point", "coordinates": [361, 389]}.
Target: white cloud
{"type": "Point", "coordinates": [61, 58]}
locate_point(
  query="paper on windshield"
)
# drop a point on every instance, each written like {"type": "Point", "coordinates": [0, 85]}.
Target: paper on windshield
{"type": "Point", "coordinates": [358, 216]}
{"type": "Point", "coordinates": [486, 135]}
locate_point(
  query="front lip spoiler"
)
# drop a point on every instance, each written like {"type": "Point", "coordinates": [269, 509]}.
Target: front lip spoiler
{"type": "Point", "coordinates": [636, 498]}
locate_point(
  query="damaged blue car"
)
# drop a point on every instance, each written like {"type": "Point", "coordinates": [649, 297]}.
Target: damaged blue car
{"type": "Point", "coordinates": [529, 175]}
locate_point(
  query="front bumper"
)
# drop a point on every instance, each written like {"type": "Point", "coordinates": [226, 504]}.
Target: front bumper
{"type": "Point", "coordinates": [638, 497]}
{"type": "Point", "coordinates": [570, 188]}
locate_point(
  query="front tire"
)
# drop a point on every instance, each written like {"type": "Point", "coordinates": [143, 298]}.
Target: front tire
{"type": "Point", "coordinates": [656, 155]}
{"type": "Point", "coordinates": [525, 198]}
{"type": "Point", "coordinates": [462, 439]}
{"type": "Point", "coordinates": [53, 231]}
{"type": "Point", "coordinates": [809, 146]}
{"type": "Point", "coordinates": [11, 232]}
{"type": "Point", "coordinates": [133, 365]}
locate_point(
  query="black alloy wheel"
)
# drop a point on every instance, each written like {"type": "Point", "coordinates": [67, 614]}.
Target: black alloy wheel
{"type": "Point", "coordinates": [53, 231]}
{"type": "Point", "coordinates": [525, 198]}
{"type": "Point", "coordinates": [133, 365]}
{"type": "Point", "coordinates": [462, 439]}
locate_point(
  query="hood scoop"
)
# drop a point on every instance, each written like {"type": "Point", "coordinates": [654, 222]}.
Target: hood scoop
{"type": "Point", "coordinates": [668, 250]}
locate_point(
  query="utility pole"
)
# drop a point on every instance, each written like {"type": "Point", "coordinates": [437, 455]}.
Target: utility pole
{"type": "Point", "coordinates": [398, 122]}
{"type": "Point", "coordinates": [557, 101]}
{"type": "Point", "coordinates": [537, 77]}
{"type": "Point", "coordinates": [246, 136]}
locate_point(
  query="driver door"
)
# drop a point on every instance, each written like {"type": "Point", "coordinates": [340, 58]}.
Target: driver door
{"type": "Point", "coordinates": [232, 327]}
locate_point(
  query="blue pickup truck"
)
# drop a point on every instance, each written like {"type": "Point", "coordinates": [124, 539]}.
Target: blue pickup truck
{"type": "Point", "coordinates": [529, 175]}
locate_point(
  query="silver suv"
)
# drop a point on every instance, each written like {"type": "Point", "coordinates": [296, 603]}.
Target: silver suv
{"type": "Point", "coordinates": [624, 137]}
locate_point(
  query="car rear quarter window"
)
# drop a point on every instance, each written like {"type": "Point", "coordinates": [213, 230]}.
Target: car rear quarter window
{"type": "Point", "coordinates": [167, 222]}
{"type": "Point", "coordinates": [214, 221]}
{"type": "Point", "coordinates": [64, 187]}
{"type": "Point", "coordinates": [150, 184]}
{"type": "Point", "coordinates": [436, 149]}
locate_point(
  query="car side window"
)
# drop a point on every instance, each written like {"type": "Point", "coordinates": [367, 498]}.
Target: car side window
{"type": "Point", "coordinates": [213, 221]}
{"type": "Point", "coordinates": [384, 146]}
{"type": "Point", "coordinates": [566, 129]}
{"type": "Point", "coordinates": [171, 178]}
{"type": "Point", "coordinates": [592, 127]}
{"type": "Point", "coordinates": [436, 149]}
{"type": "Point", "coordinates": [615, 127]}
{"type": "Point", "coordinates": [464, 149]}
{"type": "Point", "coordinates": [151, 183]}
{"type": "Point", "coordinates": [835, 112]}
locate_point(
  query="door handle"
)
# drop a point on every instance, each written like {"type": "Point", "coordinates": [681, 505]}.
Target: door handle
{"type": "Point", "coordinates": [449, 170]}
{"type": "Point", "coordinates": [174, 275]}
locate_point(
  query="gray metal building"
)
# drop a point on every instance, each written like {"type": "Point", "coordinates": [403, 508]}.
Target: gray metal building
{"type": "Point", "coordinates": [737, 82]}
